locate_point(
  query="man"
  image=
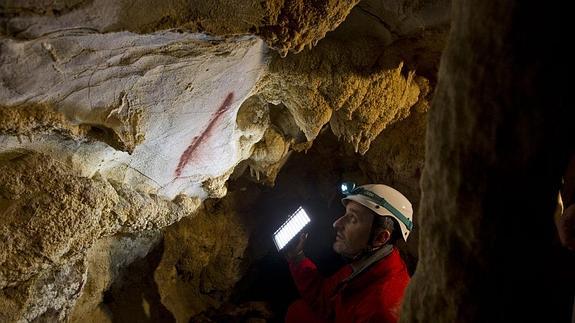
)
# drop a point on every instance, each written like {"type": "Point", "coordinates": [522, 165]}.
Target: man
{"type": "Point", "coordinates": [371, 287]}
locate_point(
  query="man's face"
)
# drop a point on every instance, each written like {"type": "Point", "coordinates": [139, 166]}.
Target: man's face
{"type": "Point", "coordinates": [352, 230]}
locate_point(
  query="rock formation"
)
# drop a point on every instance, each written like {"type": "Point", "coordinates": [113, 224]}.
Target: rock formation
{"type": "Point", "coordinates": [497, 146]}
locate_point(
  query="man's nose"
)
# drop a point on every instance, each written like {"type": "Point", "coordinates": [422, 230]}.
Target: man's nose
{"type": "Point", "coordinates": [337, 223]}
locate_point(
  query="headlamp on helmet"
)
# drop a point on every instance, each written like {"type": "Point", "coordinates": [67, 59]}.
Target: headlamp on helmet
{"type": "Point", "coordinates": [347, 188]}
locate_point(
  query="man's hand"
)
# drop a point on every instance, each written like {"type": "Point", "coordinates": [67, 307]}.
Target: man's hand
{"type": "Point", "coordinates": [566, 227]}
{"type": "Point", "coordinates": [294, 250]}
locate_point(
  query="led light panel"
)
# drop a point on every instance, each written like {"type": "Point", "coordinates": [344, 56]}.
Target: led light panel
{"type": "Point", "coordinates": [291, 228]}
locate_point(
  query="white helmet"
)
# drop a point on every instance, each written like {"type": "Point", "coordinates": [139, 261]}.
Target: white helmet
{"type": "Point", "coordinates": [382, 200]}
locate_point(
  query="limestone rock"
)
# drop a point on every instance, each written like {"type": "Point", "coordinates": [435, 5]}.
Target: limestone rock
{"type": "Point", "coordinates": [48, 214]}
{"type": "Point", "coordinates": [50, 217]}
{"type": "Point", "coordinates": [335, 84]}
{"type": "Point", "coordinates": [269, 155]}
{"type": "Point", "coordinates": [284, 25]}
{"type": "Point", "coordinates": [48, 296]}
{"type": "Point", "coordinates": [201, 260]}
{"type": "Point", "coordinates": [105, 260]}
{"type": "Point", "coordinates": [370, 107]}
{"type": "Point", "coordinates": [298, 24]}
{"type": "Point", "coordinates": [397, 154]}
{"type": "Point", "coordinates": [499, 135]}
{"type": "Point", "coordinates": [252, 120]}
{"type": "Point", "coordinates": [113, 88]}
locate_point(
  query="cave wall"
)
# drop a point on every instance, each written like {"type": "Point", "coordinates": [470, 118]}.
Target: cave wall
{"type": "Point", "coordinates": [50, 217]}
{"type": "Point", "coordinates": [286, 26]}
{"type": "Point", "coordinates": [135, 108]}
{"type": "Point", "coordinates": [202, 260]}
{"type": "Point", "coordinates": [111, 261]}
{"type": "Point", "coordinates": [498, 138]}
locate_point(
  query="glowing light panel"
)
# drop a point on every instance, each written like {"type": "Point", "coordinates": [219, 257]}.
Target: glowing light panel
{"type": "Point", "coordinates": [294, 224]}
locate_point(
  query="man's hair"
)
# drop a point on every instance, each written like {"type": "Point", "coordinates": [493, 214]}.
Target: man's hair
{"type": "Point", "coordinates": [385, 223]}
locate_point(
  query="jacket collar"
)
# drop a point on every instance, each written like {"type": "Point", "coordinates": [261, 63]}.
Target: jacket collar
{"type": "Point", "coordinates": [362, 265]}
{"type": "Point", "coordinates": [374, 268]}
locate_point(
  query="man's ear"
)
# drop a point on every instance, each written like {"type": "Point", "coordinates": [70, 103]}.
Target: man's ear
{"type": "Point", "coordinates": [381, 238]}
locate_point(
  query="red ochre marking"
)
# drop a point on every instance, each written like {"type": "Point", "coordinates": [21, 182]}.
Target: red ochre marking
{"type": "Point", "coordinates": [186, 156]}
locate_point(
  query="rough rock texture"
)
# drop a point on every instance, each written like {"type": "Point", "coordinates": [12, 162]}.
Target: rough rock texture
{"type": "Point", "coordinates": [284, 25]}
{"type": "Point", "coordinates": [273, 147]}
{"type": "Point", "coordinates": [397, 154]}
{"type": "Point", "coordinates": [202, 259]}
{"type": "Point", "coordinates": [498, 139]}
{"type": "Point", "coordinates": [50, 217]}
{"type": "Point", "coordinates": [48, 296]}
{"type": "Point", "coordinates": [106, 260]}
{"type": "Point", "coordinates": [358, 84]}
{"type": "Point", "coordinates": [314, 85]}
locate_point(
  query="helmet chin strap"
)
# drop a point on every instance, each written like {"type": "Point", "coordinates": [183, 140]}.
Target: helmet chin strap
{"type": "Point", "coordinates": [367, 261]}
{"type": "Point", "coordinates": [369, 249]}
{"type": "Point", "coordinates": [364, 263]}
{"type": "Point", "coordinates": [367, 252]}
{"type": "Point", "coordinates": [362, 255]}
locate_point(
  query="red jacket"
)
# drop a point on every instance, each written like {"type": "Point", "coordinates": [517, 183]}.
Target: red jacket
{"type": "Point", "coordinates": [373, 296]}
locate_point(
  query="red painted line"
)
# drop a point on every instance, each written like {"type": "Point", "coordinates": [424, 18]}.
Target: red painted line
{"type": "Point", "coordinates": [187, 155]}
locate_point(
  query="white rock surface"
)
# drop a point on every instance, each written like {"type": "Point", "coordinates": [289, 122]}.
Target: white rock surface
{"type": "Point", "coordinates": [37, 18]}
{"type": "Point", "coordinates": [162, 96]}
